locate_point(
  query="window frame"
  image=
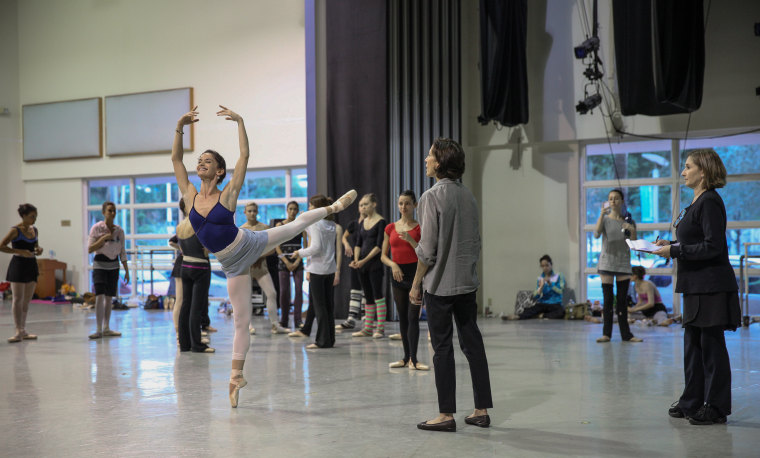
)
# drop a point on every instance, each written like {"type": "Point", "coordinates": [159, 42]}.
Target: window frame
{"type": "Point", "coordinates": [135, 263]}
{"type": "Point", "coordinates": [674, 181]}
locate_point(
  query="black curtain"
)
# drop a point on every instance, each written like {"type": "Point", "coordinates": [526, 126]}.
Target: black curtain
{"type": "Point", "coordinates": [357, 110]}
{"type": "Point", "coordinates": [660, 54]}
{"type": "Point", "coordinates": [503, 63]}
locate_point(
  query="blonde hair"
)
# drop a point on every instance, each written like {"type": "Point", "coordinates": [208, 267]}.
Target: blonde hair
{"type": "Point", "coordinates": [711, 165]}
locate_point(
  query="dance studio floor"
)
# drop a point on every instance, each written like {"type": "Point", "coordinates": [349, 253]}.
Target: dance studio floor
{"type": "Point", "coordinates": [556, 393]}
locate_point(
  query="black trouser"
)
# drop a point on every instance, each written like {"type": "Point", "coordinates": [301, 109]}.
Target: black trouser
{"type": "Point", "coordinates": [621, 308]}
{"type": "Point", "coordinates": [195, 284]}
{"type": "Point", "coordinates": [308, 322]}
{"type": "Point", "coordinates": [321, 289]}
{"type": "Point", "coordinates": [409, 321]}
{"type": "Point", "coordinates": [554, 311]}
{"type": "Point", "coordinates": [707, 370]}
{"type": "Point", "coordinates": [464, 309]}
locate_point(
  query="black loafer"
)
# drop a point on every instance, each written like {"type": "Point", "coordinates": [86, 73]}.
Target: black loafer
{"type": "Point", "coordinates": [447, 426]}
{"type": "Point", "coordinates": [707, 415]}
{"type": "Point", "coordinates": [675, 411]}
{"type": "Point", "coordinates": [484, 421]}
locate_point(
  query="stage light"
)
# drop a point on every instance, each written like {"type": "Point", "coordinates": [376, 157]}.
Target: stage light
{"type": "Point", "coordinates": [587, 47]}
{"type": "Point", "coordinates": [593, 73]}
{"type": "Point", "coordinates": [588, 104]}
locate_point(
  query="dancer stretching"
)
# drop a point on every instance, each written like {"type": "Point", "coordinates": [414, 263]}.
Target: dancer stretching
{"type": "Point", "coordinates": [212, 216]}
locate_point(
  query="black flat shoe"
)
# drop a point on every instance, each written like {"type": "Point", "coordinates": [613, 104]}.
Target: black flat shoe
{"type": "Point", "coordinates": [448, 426]}
{"type": "Point", "coordinates": [484, 421]}
{"type": "Point", "coordinates": [707, 415]}
{"type": "Point", "coordinates": [675, 411]}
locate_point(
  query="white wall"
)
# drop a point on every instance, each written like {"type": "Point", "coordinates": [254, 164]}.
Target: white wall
{"type": "Point", "coordinates": [247, 55]}
{"type": "Point", "coordinates": [530, 200]}
{"type": "Point", "coordinates": [11, 186]}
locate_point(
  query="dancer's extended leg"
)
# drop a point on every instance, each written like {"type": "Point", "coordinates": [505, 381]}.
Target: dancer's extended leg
{"type": "Point", "coordinates": [278, 235]}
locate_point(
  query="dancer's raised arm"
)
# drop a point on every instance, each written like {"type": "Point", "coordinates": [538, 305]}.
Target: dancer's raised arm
{"type": "Point", "coordinates": [238, 177]}
{"type": "Point", "coordinates": [178, 150]}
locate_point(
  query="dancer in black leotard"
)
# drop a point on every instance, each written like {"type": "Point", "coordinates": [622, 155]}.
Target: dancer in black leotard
{"type": "Point", "coordinates": [22, 271]}
{"type": "Point", "coordinates": [367, 262]}
{"type": "Point", "coordinates": [212, 216]}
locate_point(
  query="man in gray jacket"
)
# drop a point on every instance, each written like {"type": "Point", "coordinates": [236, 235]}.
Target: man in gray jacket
{"type": "Point", "coordinates": [447, 261]}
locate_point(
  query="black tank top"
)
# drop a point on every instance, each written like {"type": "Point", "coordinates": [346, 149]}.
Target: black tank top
{"type": "Point", "coordinates": [191, 246]}
{"type": "Point", "coordinates": [21, 242]}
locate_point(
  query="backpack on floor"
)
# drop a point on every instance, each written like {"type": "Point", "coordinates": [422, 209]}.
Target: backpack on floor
{"type": "Point", "coordinates": [524, 301]}
{"type": "Point", "coordinates": [577, 311]}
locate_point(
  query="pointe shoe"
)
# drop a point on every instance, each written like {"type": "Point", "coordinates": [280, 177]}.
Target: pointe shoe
{"type": "Point", "coordinates": [378, 335]}
{"type": "Point", "coordinates": [397, 364]}
{"type": "Point", "coordinates": [312, 346]}
{"type": "Point", "coordinates": [297, 334]}
{"type": "Point", "coordinates": [16, 338]}
{"type": "Point", "coordinates": [603, 339]}
{"type": "Point", "coordinates": [362, 333]}
{"type": "Point", "coordinates": [252, 330]}
{"type": "Point", "coordinates": [236, 384]}
{"type": "Point", "coordinates": [210, 329]}
{"type": "Point", "coordinates": [635, 339]}
{"type": "Point", "coordinates": [209, 350]}
{"type": "Point", "coordinates": [204, 334]}
{"type": "Point", "coordinates": [205, 340]}
{"type": "Point", "coordinates": [110, 333]}
{"type": "Point", "coordinates": [96, 335]}
{"type": "Point", "coordinates": [344, 201]}
{"type": "Point", "coordinates": [418, 366]}
{"type": "Point", "coordinates": [28, 336]}
{"type": "Point", "coordinates": [395, 336]}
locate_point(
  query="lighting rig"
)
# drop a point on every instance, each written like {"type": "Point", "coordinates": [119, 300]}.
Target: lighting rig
{"type": "Point", "coordinates": [588, 51]}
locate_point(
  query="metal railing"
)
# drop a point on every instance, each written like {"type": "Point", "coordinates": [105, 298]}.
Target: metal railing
{"type": "Point", "coordinates": [744, 283]}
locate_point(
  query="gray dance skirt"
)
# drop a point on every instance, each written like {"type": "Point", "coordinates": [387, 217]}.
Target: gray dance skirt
{"type": "Point", "coordinates": [247, 248]}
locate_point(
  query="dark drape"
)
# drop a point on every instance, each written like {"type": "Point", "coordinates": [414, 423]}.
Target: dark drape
{"type": "Point", "coordinates": [660, 55]}
{"type": "Point", "coordinates": [504, 71]}
{"type": "Point", "coordinates": [357, 113]}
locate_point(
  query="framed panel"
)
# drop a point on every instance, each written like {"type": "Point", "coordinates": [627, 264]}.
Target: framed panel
{"type": "Point", "coordinates": [144, 122]}
{"type": "Point", "coordinates": [63, 130]}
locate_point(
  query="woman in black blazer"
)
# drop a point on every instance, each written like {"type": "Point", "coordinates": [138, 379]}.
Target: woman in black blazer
{"type": "Point", "coordinates": [710, 292]}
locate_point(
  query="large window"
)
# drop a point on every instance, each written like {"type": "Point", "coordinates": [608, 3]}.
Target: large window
{"type": "Point", "coordinates": [148, 211]}
{"type": "Point", "coordinates": [649, 173]}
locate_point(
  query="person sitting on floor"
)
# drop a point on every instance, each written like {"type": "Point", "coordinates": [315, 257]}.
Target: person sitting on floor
{"type": "Point", "coordinates": [548, 294]}
{"type": "Point", "coordinates": [649, 301]}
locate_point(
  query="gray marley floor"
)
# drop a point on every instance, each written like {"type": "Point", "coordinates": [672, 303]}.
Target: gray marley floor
{"type": "Point", "coordinates": [556, 393]}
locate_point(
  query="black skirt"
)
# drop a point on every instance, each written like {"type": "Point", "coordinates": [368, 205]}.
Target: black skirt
{"type": "Point", "coordinates": [712, 309]}
{"type": "Point", "coordinates": [177, 269]}
{"type": "Point", "coordinates": [22, 270]}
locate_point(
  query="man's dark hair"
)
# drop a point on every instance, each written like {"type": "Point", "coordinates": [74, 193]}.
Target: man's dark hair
{"type": "Point", "coordinates": [450, 157]}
